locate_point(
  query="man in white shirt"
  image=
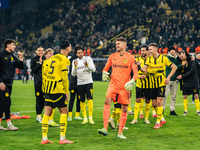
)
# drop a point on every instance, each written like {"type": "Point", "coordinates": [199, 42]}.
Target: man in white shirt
{"type": "Point", "coordinates": [83, 67]}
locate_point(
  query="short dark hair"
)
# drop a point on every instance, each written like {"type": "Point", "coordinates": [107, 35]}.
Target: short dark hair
{"type": "Point", "coordinates": [145, 46]}
{"type": "Point", "coordinates": [64, 44]}
{"type": "Point", "coordinates": [78, 47]}
{"type": "Point", "coordinates": [154, 45]}
{"type": "Point", "coordinates": [181, 52]}
{"type": "Point", "coordinates": [8, 41]}
{"type": "Point", "coordinates": [122, 39]}
{"type": "Point", "coordinates": [171, 48]}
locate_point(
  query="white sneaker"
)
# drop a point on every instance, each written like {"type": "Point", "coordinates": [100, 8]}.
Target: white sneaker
{"type": "Point", "coordinates": [111, 124]}
{"type": "Point", "coordinates": [121, 136]}
{"type": "Point", "coordinates": [39, 119]}
{"type": "Point", "coordinates": [78, 118]}
{"type": "Point", "coordinates": [2, 128]}
{"type": "Point", "coordinates": [147, 121]}
{"type": "Point", "coordinates": [69, 118]}
{"type": "Point", "coordinates": [11, 127]}
{"type": "Point", "coordinates": [125, 128]}
{"type": "Point", "coordinates": [134, 121]}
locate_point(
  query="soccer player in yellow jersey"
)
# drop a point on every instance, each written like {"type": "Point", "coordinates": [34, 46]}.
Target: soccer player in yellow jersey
{"type": "Point", "coordinates": [47, 54]}
{"type": "Point", "coordinates": [57, 91]}
{"type": "Point", "coordinates": [142, 87]}
{"type": "Point", "coordinates": [156, 65]}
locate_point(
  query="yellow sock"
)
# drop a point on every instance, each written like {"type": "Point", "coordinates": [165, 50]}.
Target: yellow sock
{"type": "Point", "coordinates": [159, 113]}
{"type": "Point", "coordinates": [129, 108]}
{"type": "Point", "coordinates": [69, 114]}
{"type": "Point", "coordinates": [141, 106]}
{"type": "Point", "coordinates": [118, 114]}
{"type": "Point", "coordinates": [63, 125]}
{"type": "Point", "coordinates": [185, 103]}
{"type": "Point", "coordinates": [77, 114]}
{"type": "Point", "coordinates": [113, 114]}
{"type": "Point", "coordinates": [45, 121]}
{"type": "Point", "coordinates": [83, 109]}
{"type": "Point", "coordinates": [197, 104]}
{"type": "Point", "coordinates": [147, 110]}
{"type": "Point", "coordinates": [39, 115]}
{"type": "Point", "coordinates": [52, 114]}
{"type": "Point", "coordinates": [90, 107]}
{"type": "Point", "coordinates": [136, 110]}
{"type": "Point", "coordinates": [152, 108]}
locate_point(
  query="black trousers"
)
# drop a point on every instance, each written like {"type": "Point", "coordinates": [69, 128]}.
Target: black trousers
{"type": "Point", "coordinates": [25, 76]}
{"type": "Point", "coordinates": [73, 95]}
{"type": "Point", "coordinates": [5, 102]}
{"type": "Point", "coordinates": [39, 99]}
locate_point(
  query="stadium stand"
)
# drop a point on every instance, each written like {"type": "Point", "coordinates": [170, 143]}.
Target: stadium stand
{"type": "Point", "coordinates": [94, 24]}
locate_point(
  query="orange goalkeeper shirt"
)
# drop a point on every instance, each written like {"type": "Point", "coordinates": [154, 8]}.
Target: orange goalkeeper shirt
{"type": "Point", "coordinates": [121, 69]}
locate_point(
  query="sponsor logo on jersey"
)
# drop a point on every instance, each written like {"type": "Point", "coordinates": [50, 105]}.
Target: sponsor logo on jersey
{"type": "Point", "coordinates": [119, 66]}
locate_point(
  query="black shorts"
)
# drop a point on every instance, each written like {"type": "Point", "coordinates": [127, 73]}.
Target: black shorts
{"type": "Point", "coordinates": [140, 93]}
{"type": "Point", "coordinates": [157, 92]}
{"type": "Point", "coordinates": [116, 104]}
{"type": "Point", "coordinates": [85, 90]}
{"type": "Point", "coordinates": [55, 100]}
{"type": "Point", "coordinates": [190, 91]}
{"type": "Point", "coordinates": [74, 90]}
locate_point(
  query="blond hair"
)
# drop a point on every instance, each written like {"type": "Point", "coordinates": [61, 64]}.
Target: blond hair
{"type": "Point", "coordinates": [48, 50]}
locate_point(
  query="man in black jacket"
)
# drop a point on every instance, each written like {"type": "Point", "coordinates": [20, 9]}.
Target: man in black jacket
{"type": "Point", "coordinates": [189, 80]}
{"type": "Point", "coordinates": [8, 63]}
{"type": "Point", "coordinates": [25, 72]}
{"type": "Point", "coordinates": [36, 67]}
{"type": "Point", "coordinates": [197, 61]}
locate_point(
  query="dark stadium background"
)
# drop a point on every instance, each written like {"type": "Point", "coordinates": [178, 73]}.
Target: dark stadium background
{"type": "Point", "coordinates": [95, 24]}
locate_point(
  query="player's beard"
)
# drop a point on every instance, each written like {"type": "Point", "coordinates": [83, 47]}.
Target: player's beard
{"type": "Point", "coordinates": [144, 55]}
{"type": "Point", "coordinates": [118, 49]}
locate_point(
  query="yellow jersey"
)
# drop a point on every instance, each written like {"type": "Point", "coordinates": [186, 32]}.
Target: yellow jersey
{"type": "Point", "coordinates": [55, 74]}
{"type": "Point", "coordinates": [156, 69]}
{"type": "Point", "coordinates": [142, 83]}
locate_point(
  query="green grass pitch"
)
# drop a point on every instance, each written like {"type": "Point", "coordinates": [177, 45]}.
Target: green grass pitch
{"type": "Point", "coordinates": [178, 133]}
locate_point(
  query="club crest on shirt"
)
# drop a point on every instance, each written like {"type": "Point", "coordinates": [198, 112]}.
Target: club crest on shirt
{"type": "Point", "coordinates": [38, 94]}
{"type": "Point", "coordinates": [6, 94]}
{"type": "Point", "coordinates": [12, 59]}
{"type": "Point", "coordinates": [125, 61]}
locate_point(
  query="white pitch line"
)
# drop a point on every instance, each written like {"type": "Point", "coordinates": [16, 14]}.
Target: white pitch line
{"type": "Point", "coordinates": [94, 108]}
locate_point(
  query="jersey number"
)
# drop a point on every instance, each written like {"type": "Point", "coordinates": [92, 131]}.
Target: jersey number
{"type": "Point", "coordinates": [52, 67]}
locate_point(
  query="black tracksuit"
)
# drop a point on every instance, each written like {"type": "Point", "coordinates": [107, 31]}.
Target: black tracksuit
{"type": "Point", "coordinates": [25, 73]}
{"type": "Point", "coordinates": [8, 63]}
{"type": "Point", "coordinates": [36, 68]}
{"type": "Point", "coordinates": [73, 89]}
{"type": "Point", "coordinates": [189, 74]}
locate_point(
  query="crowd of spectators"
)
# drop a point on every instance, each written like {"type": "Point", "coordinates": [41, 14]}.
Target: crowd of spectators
{"type": "Point", "coordinates": [170, 22]}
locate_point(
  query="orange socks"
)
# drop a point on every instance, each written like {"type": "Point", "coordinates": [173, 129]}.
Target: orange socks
{"type": "Point", "coordinates": [122, 122]}
{"type": "Point", "coordinates": [106, 115]}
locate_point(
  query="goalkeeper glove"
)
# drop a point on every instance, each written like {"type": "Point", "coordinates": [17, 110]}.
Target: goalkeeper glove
{"type": "Point", "coordinates": [105, 76]}
{"type": "Point", "coordinates": [129, 85]}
